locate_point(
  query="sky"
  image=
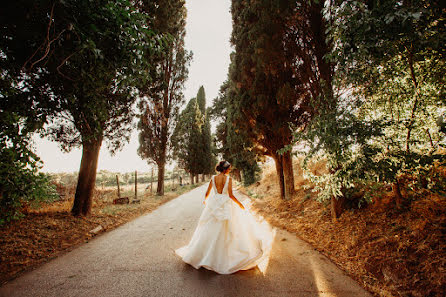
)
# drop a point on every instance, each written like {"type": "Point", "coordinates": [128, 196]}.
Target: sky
{"type": "Point", "coordinates": [208, 30]}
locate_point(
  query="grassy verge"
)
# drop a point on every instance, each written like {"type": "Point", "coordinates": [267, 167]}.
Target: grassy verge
{"type": "Point", "coordinates": [50, 230]}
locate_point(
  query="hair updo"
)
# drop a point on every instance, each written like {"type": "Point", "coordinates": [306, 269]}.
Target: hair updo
{"type": "Point", "coordinates": [222, 166]}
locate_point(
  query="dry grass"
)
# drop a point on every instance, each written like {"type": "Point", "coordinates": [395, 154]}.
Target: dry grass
{"type": "Point", "coordinates": [390, 252]}
{"type": "Point", "coordinates": [50, 230]}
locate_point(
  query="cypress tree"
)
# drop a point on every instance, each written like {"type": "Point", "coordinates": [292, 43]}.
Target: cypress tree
{"type": "Point", "coordinates": [265, 99]}
{"type": "Point", "coordinates": [278, 73]}
{"type": "Point", "coordinates": [206, 156]}
{"type": "Point", "coordinates": [163, 94]}
{"type": "Point", "coordinates": [192, 138]}
{"type": "Point", "coordinates": [234, 144]}
{"type": "Point", "coordinates": [186, 139]}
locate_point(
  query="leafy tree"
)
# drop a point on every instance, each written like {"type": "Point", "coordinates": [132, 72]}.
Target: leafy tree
{"type": "Point", "coordinates": [380, 124]}
{"type": "Point", "coordinates": [392, 53]}
{"type": "Point", "coordinates": [20, 181]}
{"type": "Point", "coordinates": [192, 138]}
{"type": "Point", "coordinates": [345, 142]}
{"type": "Point", "coordinates": [163, 94]}
{"type": "Point", "coordinates": [22, 112]}
{"type": "Point", "coordinates": [80, 63]}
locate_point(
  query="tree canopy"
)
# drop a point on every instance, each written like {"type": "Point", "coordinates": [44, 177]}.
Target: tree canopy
{"type": "Point", "coordinates": [76, 65]}
{"type": "Point", "coordinates": [385, 98]}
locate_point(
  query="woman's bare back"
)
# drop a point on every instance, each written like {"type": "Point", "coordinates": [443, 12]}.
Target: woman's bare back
{"type": "Point", "coordinates": [220, 181]}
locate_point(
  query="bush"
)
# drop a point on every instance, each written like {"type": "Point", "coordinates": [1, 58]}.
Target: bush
{"type": "Point", "coordinates": [20, 181]}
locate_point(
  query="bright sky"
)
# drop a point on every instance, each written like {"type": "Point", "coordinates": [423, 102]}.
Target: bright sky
{"type": "Point", "coordinates": [208, 30]}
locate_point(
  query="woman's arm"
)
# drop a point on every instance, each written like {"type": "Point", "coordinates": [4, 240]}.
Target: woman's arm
{"type": "Point", "coordinates": [231, 195]}
{"type": "Point", "coordinates": [208, 192]}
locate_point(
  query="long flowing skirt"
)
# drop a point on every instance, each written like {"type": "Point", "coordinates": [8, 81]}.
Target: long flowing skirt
{"type": "Point", "coordinates": [227, 238]}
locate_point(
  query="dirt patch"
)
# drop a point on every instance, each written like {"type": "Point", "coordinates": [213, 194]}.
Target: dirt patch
{"type": "Point", "coordinates": [390, 252]}
{"type": "Point", "coordinates": [49, 231]}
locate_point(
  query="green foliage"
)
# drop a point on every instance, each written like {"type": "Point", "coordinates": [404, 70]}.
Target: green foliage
{"type": "Point", "coordinates": [338, 137]}
{"type": "Point", "coordinates": [207, 157]}
{"type": "Point", "coordinates": [20, 181]}
{"type": "Point", "coordinates": [72, 64]}
{"type": "Point", "coordinates": [79, 61]}
{"type": "Point", "coordinates": [278, 69]}
{"type": "Point", "coordinates": [392, 54]}
{"type": "Point", "coordinates": [260, 73]}
{"type": "Point", "coordinates": [192, 137]}
{"type": "Point", "coordinates": [381, 125]}
{"type": "Point", "coordinates": [233, 144]}
{"type": "Point", "coordinates": [107, 47]}
{"type": "Point", "coordinates": [163, 96]}
{"type": "Point", "coordinates": [354, 155]}
{"type": "Point", "coordinates": [186, 137]}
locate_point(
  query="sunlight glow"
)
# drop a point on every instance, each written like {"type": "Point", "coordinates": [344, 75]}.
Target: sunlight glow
{"type": "Point", "coordinates": [321, 281]}
{"type": "Point", "coordinates": [265, 232]}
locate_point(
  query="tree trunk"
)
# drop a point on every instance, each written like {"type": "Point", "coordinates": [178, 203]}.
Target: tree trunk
{"type": "Point", "coordinates": [136, 184]}
{"type": "Point", "coordinates": [279, 171]}
{"type": "Point", "coordinates": [237, 174]}
{"type": "Point", "coordinates": [414, 107]}
{"type": "Point", "coordinates": [287, 165]}
{"type": "Point", "coordinates": [117, 184]}
{"type": "Point", "coordinates": [191, 178]}
{"type": "Point", "coordinates": [86, 178]}
{"type": "Point", "coordinates": [337, 206]}
{"type": "Point", "coordinates": [160, 185]}
{"type": "Point", "coordinates": [284, 169]}
{"type": "Point", "coordinates": [397, 193]}
{"type": "Point", "coordinates": [196, 179]}
{"type": "Point", "coordinates": [151, 183]}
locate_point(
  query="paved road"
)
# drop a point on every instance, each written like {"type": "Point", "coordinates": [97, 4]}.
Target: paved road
{"type": "Point", "coordinates": [138, 259]}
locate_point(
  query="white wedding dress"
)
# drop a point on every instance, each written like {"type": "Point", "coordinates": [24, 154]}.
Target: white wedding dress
{"type": "Point", "coordinates": [227, 238]}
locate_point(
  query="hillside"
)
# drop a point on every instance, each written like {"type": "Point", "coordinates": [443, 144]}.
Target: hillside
{"type": "Point", "coordinates": [390, 252]}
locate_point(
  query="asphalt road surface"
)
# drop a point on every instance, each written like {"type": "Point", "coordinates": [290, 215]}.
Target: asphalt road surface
{"type": "Point", "coordinates": [138, 259]}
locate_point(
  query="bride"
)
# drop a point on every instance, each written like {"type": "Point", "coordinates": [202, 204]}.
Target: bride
{"type": "Point", "coordinates": [227, 238]}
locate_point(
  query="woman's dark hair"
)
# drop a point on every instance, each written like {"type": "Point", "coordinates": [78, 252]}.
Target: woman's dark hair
{"type": "Point", "coordinates": [222, 166]}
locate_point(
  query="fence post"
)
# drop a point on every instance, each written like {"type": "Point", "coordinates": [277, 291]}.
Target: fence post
{"type": "Point", "coordinates": [136, 184]}
{"type": "Point", "coordinates": [117, 182]}
{"type": "Point", "coordinates": [151, 183]}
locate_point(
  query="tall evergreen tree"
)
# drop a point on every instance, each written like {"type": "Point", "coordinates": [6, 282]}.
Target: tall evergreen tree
{"type": "Point", "coordinates": [163, 94]}
{"type": "Point", "coordinates": [192, 138]}
{"type": "Point", "coordinates": [186, 137]}
{"type": "Point", "coordinates": [206, 158]}
{"type": "Point", "coordinates": [234, 144]}
{"type": "Point", "coordinates": [277, 73]}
